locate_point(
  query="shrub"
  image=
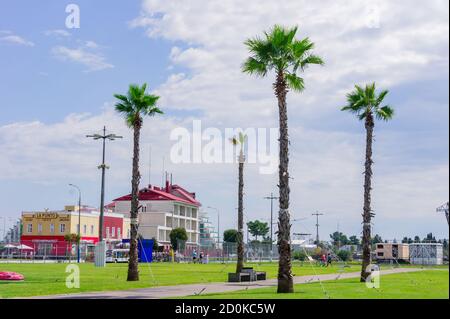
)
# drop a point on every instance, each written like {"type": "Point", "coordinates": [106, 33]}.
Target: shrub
{"type": "Point", "coordinates": [299, 255]}
{"type": "Point", "coordinates": [344, 255]}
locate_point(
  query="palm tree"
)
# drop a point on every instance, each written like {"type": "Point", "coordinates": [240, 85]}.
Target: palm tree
{"type": "Point", "coordinates": [281, 52]}
{"type": "Point", "coordinates": [240, 234]}
{"type": "Point", "coordinates": [134, 106]}
{"type": "Point", "coordinates": [367, 105]}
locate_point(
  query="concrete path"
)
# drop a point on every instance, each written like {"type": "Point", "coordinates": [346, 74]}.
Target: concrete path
{"type": "Point", "coordinates": [194, 289]}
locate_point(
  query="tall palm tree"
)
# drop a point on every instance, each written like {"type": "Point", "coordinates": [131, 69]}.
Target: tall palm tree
{"type": "Point", "coordinates": [240, 234]}
{"type": "Point", "coordinates": [279, 51]}
{"type": "Point", "coordinates": [134, 106]}
{"type": "Point", "coordinates": [367, 105]}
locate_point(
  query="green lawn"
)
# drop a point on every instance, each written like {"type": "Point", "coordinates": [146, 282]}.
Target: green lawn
{"type": "Point", "coordinates": [49, 279]}
{"type": "Point", "coordinates": [428, 284]}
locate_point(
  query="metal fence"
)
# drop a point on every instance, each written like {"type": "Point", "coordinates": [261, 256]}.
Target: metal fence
{"type": "Point", "coordinates": [226, 252]}
{"type": "Point", "coordinates": [31, 251]}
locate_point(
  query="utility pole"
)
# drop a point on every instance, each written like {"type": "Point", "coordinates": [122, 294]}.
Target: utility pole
{"type": "Point", "coordinates": [271, 197]}
{"type": "Point", "coordinates": [317, 214]}
{"type": "Point", "coordinates": [79, 221]}
{"type": "Point", "coordinates": [103, 167]}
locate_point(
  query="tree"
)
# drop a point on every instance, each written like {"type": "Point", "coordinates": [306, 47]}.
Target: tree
{"type": "Point", "coordinates": [279, 51]}
{"type": "Point", "coordinates": [230, 236]}
{"type": "Point", "coordinates": [416, 239]}
{"type": "Point", "coordinates": [339, 239]}
{"type": "Point", "coordinates": [258, 228]}
{"type": "Point", "coordinates": [155, 244]}
{"type": "Point", "coordinates": [445, 244]}
{"type": "Point", "coordinates": [72, 239]}
{"type": "Point", "coordinates": [376, 239]}
{"type": "Point", "coordinates": [429, 239]}
{"type": "Point", "coordinates": [354, 240]}
{"type": "Point", "coordinates": [344, 255]}
{"type": "Point", "coordinates": [240, 234]}
{"type": "Point", "coordinates": [407, 240]}
{"type": "Point", "coordinates": [134, 106]}
{"type": "Point", "coordinates": [368, 105]}
{"type": "Point", "coordinates": [177, 236]}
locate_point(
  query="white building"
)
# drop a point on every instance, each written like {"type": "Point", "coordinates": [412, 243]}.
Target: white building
{"type": "Point", "coordinates": [161, 210]}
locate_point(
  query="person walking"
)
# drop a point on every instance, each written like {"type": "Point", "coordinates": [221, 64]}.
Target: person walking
{"type": "Point", "coordinates": [329, 259]}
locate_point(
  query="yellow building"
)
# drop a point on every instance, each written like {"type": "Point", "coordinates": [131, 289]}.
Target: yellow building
{"type": "Point", "coordinates": [48, 229]}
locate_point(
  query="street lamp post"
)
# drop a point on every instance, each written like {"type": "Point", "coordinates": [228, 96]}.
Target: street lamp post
{"type": "Point", "coordinates": [103, 167]}
{"type": "Point", "coordinates": [79, 221]}
{"type": "Point", "coordinates": [218, 224]}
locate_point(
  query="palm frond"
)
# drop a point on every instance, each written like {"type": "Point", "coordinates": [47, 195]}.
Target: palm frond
{"type": "Point", "coordinates": [384, 113]}
{"type": "Point", "coordinates": [312, 59]}
{"type": "Point", "coordinates": [279, 50]}
{"type": "Point", "coordinates": [380, 98]}
{"type": "Point", "coordinates": [253, 66]}
{"type": "Point", "coordinates": [364, 101]}
{"type": "Point", "coordinates": [295, 82]}
{"type": "Point", "coordinates": [137, 103]}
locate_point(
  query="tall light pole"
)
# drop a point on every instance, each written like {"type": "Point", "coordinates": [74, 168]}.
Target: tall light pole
{"type": "Point", "coordinates": [271, 197]}
{"type": "Point", "coordinates": [218, 223]}
{"type": "Point", "coordinates": [317, 214]}
{"type": "Point", "coordinates": [79, 221]}
{"type": "Point", "coordinates": [103, 167]}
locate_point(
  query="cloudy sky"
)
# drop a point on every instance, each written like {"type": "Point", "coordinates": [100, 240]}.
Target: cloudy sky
{"type": "Point", "coordinates": [57, 85]}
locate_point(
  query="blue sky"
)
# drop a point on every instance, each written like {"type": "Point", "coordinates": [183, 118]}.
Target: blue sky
{"type": "Point", "coordinates": [57, 86]}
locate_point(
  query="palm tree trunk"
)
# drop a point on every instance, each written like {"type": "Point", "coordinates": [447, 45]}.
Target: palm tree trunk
{"type": "Point", "coordinates": [133, 271]}
{"type": "Point", "coordinates": [240, 235]}
{"type": "Point", "coordinates": [367, 212]}
{"type": "Point", "coordinates": [285, 281]}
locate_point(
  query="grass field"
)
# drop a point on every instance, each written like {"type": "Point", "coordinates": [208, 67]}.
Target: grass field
{"type": "Point", "coordinates": [49, 279]}
{"type": "Point", "coordinates": [428, 284]}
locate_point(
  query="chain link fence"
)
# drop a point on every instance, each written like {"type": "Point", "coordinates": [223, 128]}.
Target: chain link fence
{"type": "Point", "coordinates": [32, 251]}
{"type": "Point", "coordinates": [225, 253]}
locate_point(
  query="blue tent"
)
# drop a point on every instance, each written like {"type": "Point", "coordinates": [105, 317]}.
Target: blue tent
{"type": "Point", "coordinates": [145, 249]}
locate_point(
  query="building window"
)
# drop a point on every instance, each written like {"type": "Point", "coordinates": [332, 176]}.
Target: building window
{"type": "Point", "coordinates": [85, 229]}
{"type": "Point", "coordinates": [62, 228]}
{"type": "Point", "coordinates": [107, 232]}
{"type": "Point", "coordinates": [113, 232]}
{"type": "Point", "coordinates": [118, 233]}
{"type": "Point", "coordinates": [39, 228]}
{"type": "Point", "coordinates": [92, 229]}
{"type": "Point", "coordinates": [52, 228]}
{"type": "Point", "coordinates": [29, 228]}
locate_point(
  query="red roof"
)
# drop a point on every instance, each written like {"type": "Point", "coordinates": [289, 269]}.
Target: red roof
{"type": "Point", "coordinates": [171, 193]}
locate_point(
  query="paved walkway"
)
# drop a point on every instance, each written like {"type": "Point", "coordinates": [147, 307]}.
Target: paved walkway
{"type": "Point", "coordinates": [194, 289]}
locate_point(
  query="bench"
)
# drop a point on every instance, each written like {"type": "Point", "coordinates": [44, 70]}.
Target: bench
{"type": "Point", "coordinates": [247, 274]}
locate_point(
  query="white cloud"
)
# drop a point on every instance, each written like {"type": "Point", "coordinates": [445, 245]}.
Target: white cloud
{"type": "Point", "coordinates": [94, 61]}
{"type": "Point", "coordinates": [15, 39]}
{"type": "Point", "coordinates": [91, 44]}
{"type": "Point", "coordinates": [388, 42]}
{"type": "Point", "coordinates": [407, 44]}
{"type": "Point", "coordinates": [58, 33]}
{"type": "Point", "coordinates": [326, 159]}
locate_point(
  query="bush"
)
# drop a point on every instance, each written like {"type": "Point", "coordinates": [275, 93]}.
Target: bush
{"type": "Point", "coordinates": [344, 255]}
{"type": "Point", "coordinates": [299, 255]}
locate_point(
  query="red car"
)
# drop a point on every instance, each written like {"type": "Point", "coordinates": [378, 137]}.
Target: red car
{"type": "Point", "coordinates": [10, 276]}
